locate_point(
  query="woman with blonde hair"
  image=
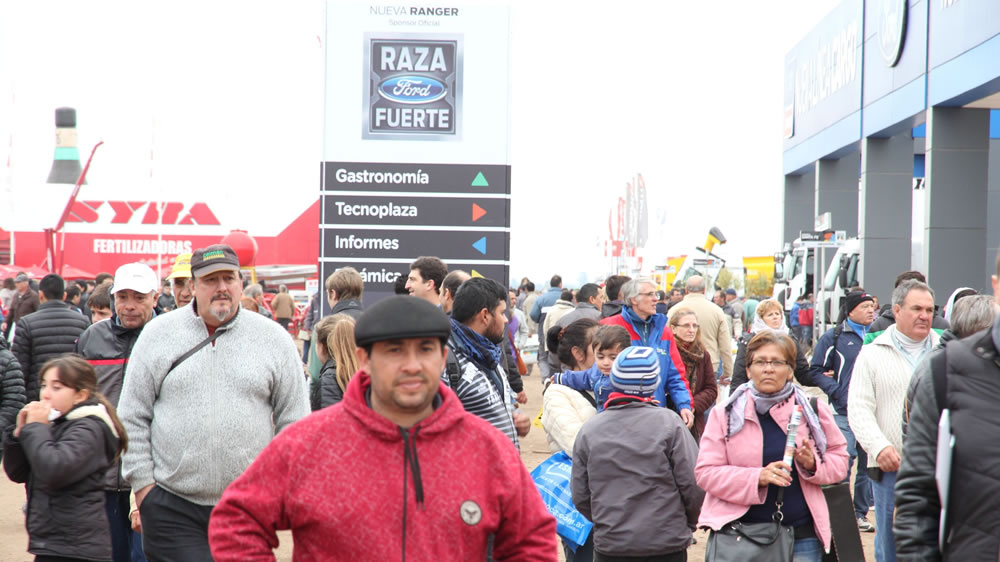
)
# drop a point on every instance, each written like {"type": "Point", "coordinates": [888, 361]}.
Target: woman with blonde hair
{"type": "Point", "coordinates": [697, 362]}
{"type": "Point", "coordinates": [335, 348]}
{"type": "Point", "coordinates": [768, 317]}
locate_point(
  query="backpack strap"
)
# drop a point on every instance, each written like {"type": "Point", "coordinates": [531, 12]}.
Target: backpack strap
{"type": "Point", "coordinates": [452, 369]}
{"type": "Point", "coordinates": [836, 334]}
{"type": "Point", "coordinates": [939, 372]}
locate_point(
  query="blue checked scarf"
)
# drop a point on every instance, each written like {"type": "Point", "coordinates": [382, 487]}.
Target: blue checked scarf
{"type": "Point", "coordinates": [481, 351]}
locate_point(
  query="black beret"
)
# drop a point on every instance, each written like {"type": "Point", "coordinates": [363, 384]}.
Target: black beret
{"type": "Point", "coordinates": [399, 317]}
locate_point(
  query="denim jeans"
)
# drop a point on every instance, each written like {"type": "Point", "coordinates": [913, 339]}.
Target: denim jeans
{"type": "Point", "coordinates": [862, 485]}
{"type": "Point", "coordinates": [305, 351]}
{"type": "Point", "coordinates": [885, 504]}
{"type": "Point", "coordinates": [807, 550]}
{"type": "Point", "coordinates": [126, 544]}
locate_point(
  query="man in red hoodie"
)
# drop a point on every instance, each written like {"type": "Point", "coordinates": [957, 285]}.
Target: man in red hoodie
{"type": "Point", "coordinates": [334, 477]}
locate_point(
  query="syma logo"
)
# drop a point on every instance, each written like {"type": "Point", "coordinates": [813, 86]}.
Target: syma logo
{"type": "Point", "coordinates": [414, 88]}
{"type": "Point", "coordinates": [892, 29]}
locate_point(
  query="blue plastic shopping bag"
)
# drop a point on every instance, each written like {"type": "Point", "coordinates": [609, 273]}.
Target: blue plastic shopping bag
{"type": "Point", "coordinates": [552, 478]}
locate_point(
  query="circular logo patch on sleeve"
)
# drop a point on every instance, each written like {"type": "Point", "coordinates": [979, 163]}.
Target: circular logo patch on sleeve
{"type": "Point", "coordinates": [470, 512]}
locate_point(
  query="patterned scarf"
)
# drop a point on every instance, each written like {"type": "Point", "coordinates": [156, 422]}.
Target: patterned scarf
{"type": "Point", "coordinates": [736, 406]}
{"type": "Point", "coordinates": [692, 354]}
{"type": "Point", "coordinates": [484, 353]}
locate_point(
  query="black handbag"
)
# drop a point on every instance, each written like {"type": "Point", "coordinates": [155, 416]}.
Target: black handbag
{"type": "Point", "coordinates": [753, 542]}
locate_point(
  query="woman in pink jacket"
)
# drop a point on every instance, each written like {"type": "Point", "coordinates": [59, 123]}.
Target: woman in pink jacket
{"type": "Point", "coordinates": [740, 464]}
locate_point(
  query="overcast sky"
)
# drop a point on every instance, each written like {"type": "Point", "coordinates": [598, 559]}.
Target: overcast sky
{"type": "Point", "coordinates": [227, 96]}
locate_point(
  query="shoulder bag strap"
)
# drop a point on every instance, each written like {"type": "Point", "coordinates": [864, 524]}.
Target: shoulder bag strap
{"type": "Point", "coordinates": [218, 332]}
{"type": "Point", "coordinates": [215, 335]}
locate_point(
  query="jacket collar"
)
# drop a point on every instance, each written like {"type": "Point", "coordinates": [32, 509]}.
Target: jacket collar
{"type": "Point", "coordinates": [885, 338]}
{"type": "Point", "coordinates": [345, 304]}
{"type": "Point", "coordinates": [53, 304]}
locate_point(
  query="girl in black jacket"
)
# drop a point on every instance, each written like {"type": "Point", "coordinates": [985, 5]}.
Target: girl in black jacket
{"type": "Point", "coordinates": [62, 446]}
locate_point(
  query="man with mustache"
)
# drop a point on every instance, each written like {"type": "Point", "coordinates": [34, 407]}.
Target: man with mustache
{"type": "Point", "coordinates": [207, 389]}
{"type": "Point", "coordinates": [334, 478]}
{"type": "Point", "coordinates": [478, 326]}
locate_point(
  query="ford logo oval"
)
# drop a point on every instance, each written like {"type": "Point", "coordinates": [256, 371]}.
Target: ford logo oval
{"type": "Point", "coordinates": [412, 89]}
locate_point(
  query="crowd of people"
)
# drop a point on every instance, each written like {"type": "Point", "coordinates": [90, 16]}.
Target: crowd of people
{"type": "Point", "coordinates": [176, 420]}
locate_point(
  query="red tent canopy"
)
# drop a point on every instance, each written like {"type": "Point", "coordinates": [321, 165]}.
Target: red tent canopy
{"type": "Point", "coordinates": [72, 272]}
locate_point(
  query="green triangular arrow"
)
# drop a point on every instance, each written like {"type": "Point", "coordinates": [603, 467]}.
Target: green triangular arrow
{"type": "Point", "coordinates": [480, 181]}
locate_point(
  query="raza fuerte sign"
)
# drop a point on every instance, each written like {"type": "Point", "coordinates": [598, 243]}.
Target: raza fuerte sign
{"type": "Point", "coordinates": [414, 86]}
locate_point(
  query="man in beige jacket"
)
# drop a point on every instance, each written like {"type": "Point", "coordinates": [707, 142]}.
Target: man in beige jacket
{"type": "Point", "coordinates": [716, 336]}
{"type": "Point", "coordinates": [284, 307]}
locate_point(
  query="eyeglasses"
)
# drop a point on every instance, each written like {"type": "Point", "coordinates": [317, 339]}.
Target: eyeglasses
{"type": "Point", "coordinates": [687, 326]}
{"type": "Point", "coordinates": [649, 295]}
{"type": "Point", "coordinates": [775, 364]}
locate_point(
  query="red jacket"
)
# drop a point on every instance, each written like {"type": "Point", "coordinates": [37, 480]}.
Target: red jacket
{"type": "Point", "coordinates": [334, 479]}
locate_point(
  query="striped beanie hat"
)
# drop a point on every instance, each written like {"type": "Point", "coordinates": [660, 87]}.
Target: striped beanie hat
{"type": "Point", "coordinates": [636, 371]}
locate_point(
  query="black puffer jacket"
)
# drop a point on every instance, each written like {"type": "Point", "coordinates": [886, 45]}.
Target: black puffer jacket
{"type": "Point", "coordinates": [11, 387]}
{"type": "Point", "coordinates": [44, 335]}
{"type": "Point", "coordinates": [330, 392]}
{"type": "Point", "coordinates": [107, 346]}
{"type": "Point", "coordinates": [63, 464]}
{"type": "Point", "coordinates": [974, 498]}
{"type": "Point", "coordinates": [802, 373]}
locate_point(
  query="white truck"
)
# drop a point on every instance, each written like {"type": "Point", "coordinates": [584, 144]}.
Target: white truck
{"type": "Point", "coordinates": [842, 274]}
{"type": "Point", "coordinates": [793, 274]}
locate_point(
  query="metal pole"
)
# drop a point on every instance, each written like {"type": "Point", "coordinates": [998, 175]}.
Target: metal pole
{"type": "Point", "coordinates": [821, 299]}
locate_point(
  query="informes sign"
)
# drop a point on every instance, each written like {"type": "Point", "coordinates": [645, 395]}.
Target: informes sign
{"type": "Point", "coordinates": [416, 151]}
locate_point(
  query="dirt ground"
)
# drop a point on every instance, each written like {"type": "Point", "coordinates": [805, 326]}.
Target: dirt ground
{"type": "Point", "coordinates": [534, 449]}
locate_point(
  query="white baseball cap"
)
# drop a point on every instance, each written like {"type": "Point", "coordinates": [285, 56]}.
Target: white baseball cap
{"type": "Point", "coordinates": [138, 277]}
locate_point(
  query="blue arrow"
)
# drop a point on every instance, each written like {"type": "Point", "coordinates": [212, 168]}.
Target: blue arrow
{"type": "Point", "coordinates": [480, 245]}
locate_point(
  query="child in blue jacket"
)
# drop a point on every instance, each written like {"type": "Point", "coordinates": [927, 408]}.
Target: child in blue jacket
{"type": "Point", "coordinates": [608, 342]}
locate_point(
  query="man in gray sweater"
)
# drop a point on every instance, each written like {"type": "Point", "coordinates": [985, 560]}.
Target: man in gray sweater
{"type": "Point", "coordinates": [206, 389]}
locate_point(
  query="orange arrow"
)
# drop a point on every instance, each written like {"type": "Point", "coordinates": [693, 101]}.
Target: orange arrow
{"type": "Point", "coordinates": [477, 212]}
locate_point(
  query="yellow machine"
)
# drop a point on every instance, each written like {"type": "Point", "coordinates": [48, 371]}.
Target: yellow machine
{"type": "Point", "coordinates": [758, 267]}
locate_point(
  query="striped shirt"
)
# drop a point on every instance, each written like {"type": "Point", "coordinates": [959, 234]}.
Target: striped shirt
{"type": "Point", "coordinates": [492, 400]}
